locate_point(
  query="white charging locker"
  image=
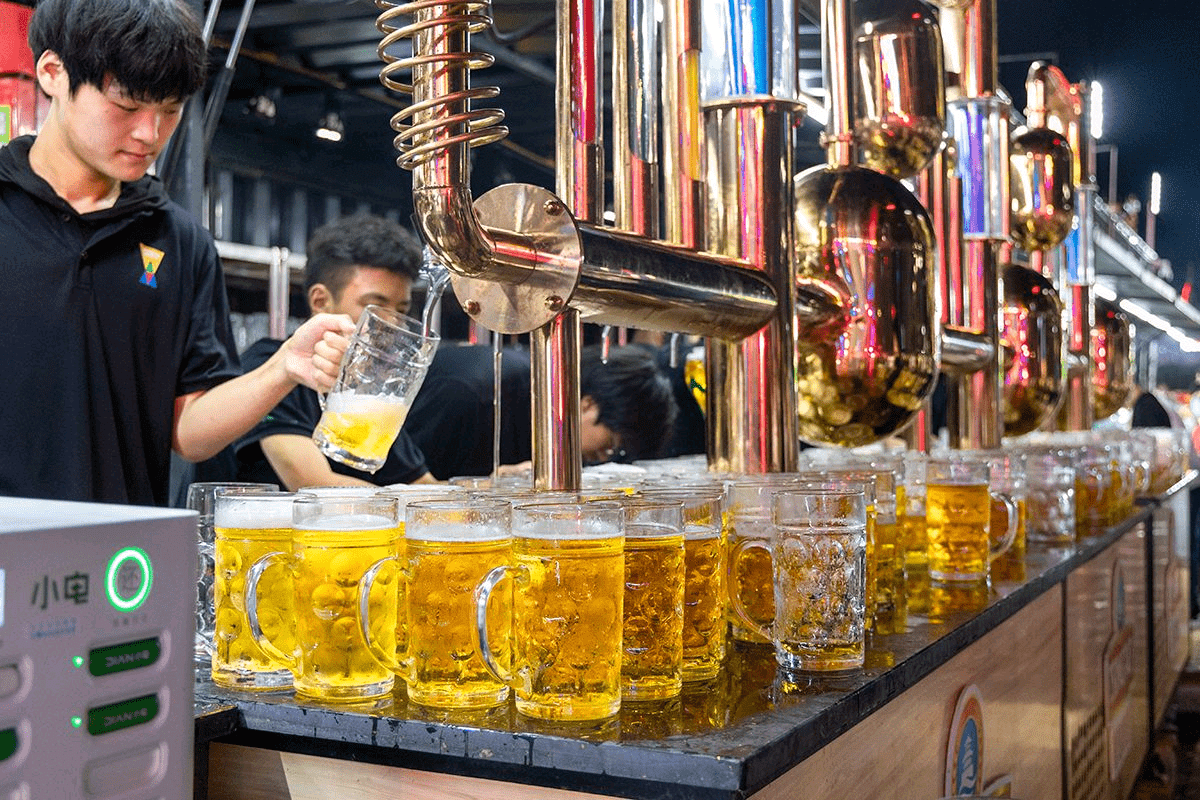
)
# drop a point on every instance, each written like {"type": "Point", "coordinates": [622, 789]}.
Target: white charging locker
{"type": "Point", "coordinates": [97, 606]}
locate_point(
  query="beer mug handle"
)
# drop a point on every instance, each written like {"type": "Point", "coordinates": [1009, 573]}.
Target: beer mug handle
{"type": "Point", "coordinates": [205, 612]}
{"type": "Point", "coordinates": [365, 584]}
{"type": "Point", "coordinates": [483, 595]}
{"type": "Point", "coordinates": [1010, 533]}
{"type": "Point", "coordinates": [735, 599]}
{"type": "Point", "coordinates": [253, 575]}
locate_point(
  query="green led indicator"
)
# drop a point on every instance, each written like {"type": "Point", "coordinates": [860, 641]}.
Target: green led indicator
{"type": "Point", "coordinates": [127, 578]}
{"type": "Point", "coordinates": [77, 662]}
{"type": "Point", "coordinates": [76, 722]}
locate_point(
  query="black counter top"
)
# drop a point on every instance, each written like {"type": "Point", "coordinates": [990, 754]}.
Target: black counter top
{"type": "Point", "coordinates": [726, 738]}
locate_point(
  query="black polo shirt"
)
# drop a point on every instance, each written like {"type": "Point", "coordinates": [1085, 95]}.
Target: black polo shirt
{"type": "Point", "coordinates": [298, 414]}
{"type": "Point", "coordinates": [452, 418]}
{"type": "Point", "coordinates": [108, 317]}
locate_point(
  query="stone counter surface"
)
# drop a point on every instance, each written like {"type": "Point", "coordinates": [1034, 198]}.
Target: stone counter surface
{"type": "Point", "coordinates": [726, 738]}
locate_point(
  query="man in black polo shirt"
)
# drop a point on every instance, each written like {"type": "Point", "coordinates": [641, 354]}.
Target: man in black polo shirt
{"type": "Point", "coordinates": [115, 319]}
{"type": "Point", "coordinates": [626, 408]}
{"type": "Point", "coordinates": [352, 263]}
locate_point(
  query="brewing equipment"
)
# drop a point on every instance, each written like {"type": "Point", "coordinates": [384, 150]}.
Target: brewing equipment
{"type": "Point", "coordinates": [819, 295]}
{"type": "Point", "coordinates": [1041, 218]}
{"type": "Point", "coordinates": [1032, 344]}
{"type": "Point", "coordinates": [900, 98]}
{"type": "Point", "coordinates": [1112, 360]}
{"type": "Point", "coordinates": [541, 266]}
{"type": "Point", "coordinates": [979, 124]}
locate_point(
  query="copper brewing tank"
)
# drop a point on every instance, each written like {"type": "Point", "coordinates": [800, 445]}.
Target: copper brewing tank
{"type": "Point", "coordinates": [900, 96]}
{"type": "Point", "coordinates": [863, 246]}
{"type": "Point", "coordinates": [1041, 188]}
{"type": "Point", "coordinates": [1112, 360]}
{"type": "Point", "coordinates": [1032, 341]}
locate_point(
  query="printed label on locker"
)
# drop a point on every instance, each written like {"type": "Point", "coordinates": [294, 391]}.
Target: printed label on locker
{"type": "Point", "coordinates": [121, 657]}
{"type": "Point", "coordinates": [118, 716]}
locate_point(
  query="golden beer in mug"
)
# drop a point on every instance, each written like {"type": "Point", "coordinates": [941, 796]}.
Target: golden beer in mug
{"type": "Point", "coordinates": [704, 599]}
{"type": "Point", "coordinates": [379, 376]}
{"type": "Point", "coordinates": [451, 546]}
{"type": "Point", "coordinates": [247, 526]}
{"type": "Point", "coordinates": [652, 616]}
{"type": "Point", "coordinates": [405, 494]}
{"type": "Point", "coordinates": [958, 517]}
{"type": "Point", "coordinates": [751, 577]}
{"type": "Point", "coordinates": [705, 596]}
{"type": "Point", "coordinates": [1011, 565]}
{"type": "Point", "coordinates": [336, 542]}
{"type": "Point", "coordinates": [958, 514]}
{"type": "Point", "coordinates": [568, 589]}
{"type": "Point", "coordinates": [364, 425]}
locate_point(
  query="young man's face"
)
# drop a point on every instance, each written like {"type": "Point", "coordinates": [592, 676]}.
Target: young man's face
{"type": "Point", "coordinates": [367, 286]}
{"type": "Point", "coordinates": [597, 441]}
{"type": "Point", "coordinates": [105, 131]}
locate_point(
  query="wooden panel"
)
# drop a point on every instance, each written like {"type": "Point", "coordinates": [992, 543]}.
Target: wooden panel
{"type": "Point", "coordinates": [248, 773]}
{"type": "Point", "coordinates": [1110, 641]}
{"type": "Point", "coordinates": [900, 751]}
{"type": "Point", "coordinates": [1171, 604]}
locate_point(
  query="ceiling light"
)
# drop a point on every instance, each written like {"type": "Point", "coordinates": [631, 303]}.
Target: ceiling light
{"type": "Point", "coordinates": [331, 127]}
{"type": "Point", "coordinates": [265, 105]}
{"type": "Point", "coordinates": [1096, 111]}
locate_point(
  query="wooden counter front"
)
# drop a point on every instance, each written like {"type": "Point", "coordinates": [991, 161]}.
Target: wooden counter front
{"type": "Point", "coordinates": [899, 752]}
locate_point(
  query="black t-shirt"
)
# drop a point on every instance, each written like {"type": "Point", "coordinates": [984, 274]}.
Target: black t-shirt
{"type": "Point", "coordinates": [108, 317]}
{"type": "Point", "coordinates": [299, 413]}
{"type": "Point", "coordinates": [451, 418]}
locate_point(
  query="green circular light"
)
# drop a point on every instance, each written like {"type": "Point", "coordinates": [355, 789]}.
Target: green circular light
{"type": "Point", "coordinates": [76, 722]}
{"type": "Point", "coordinates": [77, 661]}
{"type": "Point", "coordinates": [137, 555]}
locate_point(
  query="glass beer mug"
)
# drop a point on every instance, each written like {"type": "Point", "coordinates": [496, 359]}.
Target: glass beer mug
{"type": "Point", "coordinates": [958, 514]}
{"type": "Point", "coordinates": [568, 576]}
{"type": "Point", "coordinates": [336, 540]}
{"type": "Point", "coordinates": [380, 374]}
{"type": "Point", "coordinates": [818, 553]}
{"type": "Point", "coordinates": [248, 524]}
{"type": "Point", "coordinates": [449, 545]}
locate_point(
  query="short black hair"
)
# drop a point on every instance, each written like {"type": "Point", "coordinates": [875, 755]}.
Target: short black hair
{"type": "Point", "coordinates": [338, 248]}
{"type": "Point", "coordinates": [633, 398]}
{"type": "Point", "coordinates": [153, 48]}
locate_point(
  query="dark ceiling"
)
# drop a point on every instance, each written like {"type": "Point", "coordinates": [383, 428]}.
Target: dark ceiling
{"type": "Point", "coordinates": [308, 54]}
{"type": "Point", "coordinates": [312, 56]}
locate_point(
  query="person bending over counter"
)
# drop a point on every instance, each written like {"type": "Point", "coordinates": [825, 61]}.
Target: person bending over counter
{"type": "Point", "coordinates": [352, 263]}
{"type": "Point", "coordinates": [116, 319]}
{"type": "Point", "coordinates": [626, 408]}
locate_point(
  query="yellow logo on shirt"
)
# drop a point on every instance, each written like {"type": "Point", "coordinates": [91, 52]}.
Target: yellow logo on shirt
{"type": "Point", "coordinates": [151, 259]}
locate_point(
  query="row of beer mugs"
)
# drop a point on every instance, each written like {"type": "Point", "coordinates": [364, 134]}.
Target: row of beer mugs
{"type": "Point", "coordinates": [595, 609]}
{"type": "Point", "coordinates": [898, 544]}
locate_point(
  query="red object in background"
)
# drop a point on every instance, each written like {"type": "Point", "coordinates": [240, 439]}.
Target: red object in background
{"type": "Point", "coordinates": [15, 57]}
{"type": "Point", "coordinates": [18, 89]}
{"type": "Point", "coordinates": [1186, 292]}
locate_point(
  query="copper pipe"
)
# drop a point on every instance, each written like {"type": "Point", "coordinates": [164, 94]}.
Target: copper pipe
{"type": "Point", "coordinates": [682, 131]}
{"type": "Point", "coordinates": [635, 117]}
{"type": "Point", "coordinates": [554, 381]}
{"type": "Point", "coordinates": [749, 162]}
{"type": "Point", "coordinates": [580, 151]}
